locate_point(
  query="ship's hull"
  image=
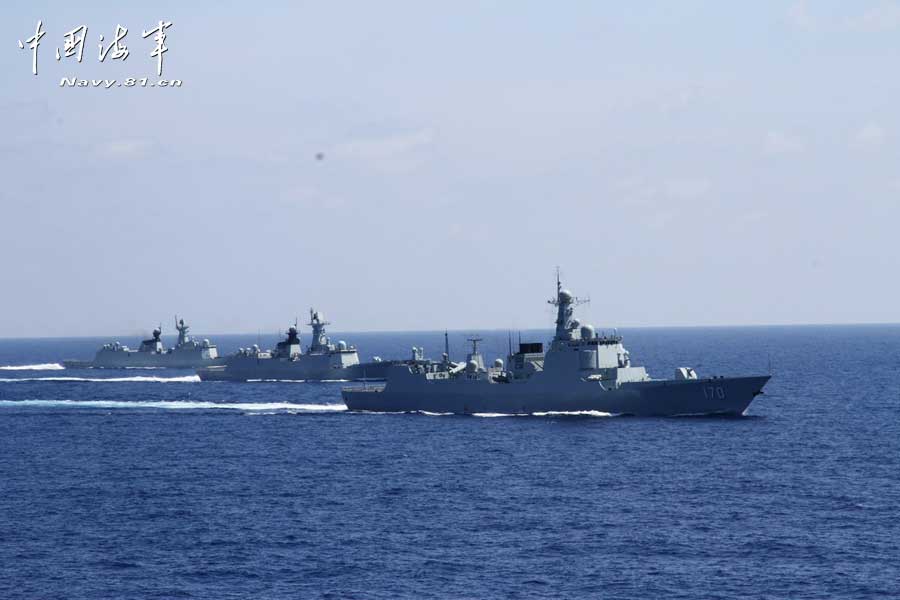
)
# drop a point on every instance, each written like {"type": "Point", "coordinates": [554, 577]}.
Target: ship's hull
{"type": "Point", "coordinates": [717, 396]}
{"type": "Point", "coordinates": [144, 360]}
{"type": "Point", "coordinates": [304, 368]}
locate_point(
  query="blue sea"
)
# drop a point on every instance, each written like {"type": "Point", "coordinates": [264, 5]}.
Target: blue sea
{"type": "Point", "coordinates": [151, 484]}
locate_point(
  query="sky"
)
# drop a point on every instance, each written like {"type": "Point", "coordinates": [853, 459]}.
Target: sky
{"type": "Point", "coordinates": [689, 163]}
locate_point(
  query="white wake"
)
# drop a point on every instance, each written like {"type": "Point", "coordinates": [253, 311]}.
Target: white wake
{"type": "Point", "coordinates": [40, 367]}
{"type": "Point", "coordinates": [551, 413]}
{"type": "Point", "coordinates": [136, 378]}
{"type": "Point", "coordinates": [175, 405]}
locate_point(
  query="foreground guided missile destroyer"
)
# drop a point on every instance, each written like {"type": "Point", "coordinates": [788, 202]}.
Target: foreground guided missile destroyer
{"type": "Point", "coordinates": [321, 361]}
{"type": "Point", "coordinates": [186, 354]}
{"type": "Point", "coordinates": [580, 372]}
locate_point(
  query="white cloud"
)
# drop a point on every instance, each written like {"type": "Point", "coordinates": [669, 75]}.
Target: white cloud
{"type": "Point", "coordinates": [883, 17]}
{"type": "Point", "coordinates": [870, 135]}
{"type": "Point", "coordinates": [394, 152]}
{"type": "Point", "coordinates": [779, 143]}
{"type": "Point", "coordinates": [798, 14]}
{"type": "Point", "coordinates": [688, 188]}
{"type": "Point", "coordinates": [124, 149]}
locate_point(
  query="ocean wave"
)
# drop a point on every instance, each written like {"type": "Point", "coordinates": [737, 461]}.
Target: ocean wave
{"type": "Point", "coordinates": [136, 378]}
{"type": "Point", "coordinates": [175, 405]}
{"type": "Point", "coordinates": [494, 415]}
{"type": "Point", "coordinates": [39, 367]}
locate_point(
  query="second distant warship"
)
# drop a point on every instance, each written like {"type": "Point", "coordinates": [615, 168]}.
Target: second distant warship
{"type": "Point", "coordinates": [580, 372]}
{"type": "Point", "coordinates": [322, 360]}
{"type": "Point", "coordinates": [186, 354]}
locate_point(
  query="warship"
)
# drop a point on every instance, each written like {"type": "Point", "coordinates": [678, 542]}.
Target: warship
{"type": "Point", "coordinates": [186, 354]}
{"type": "Point", "coordinates": [322, 360]}
{"type": "Point", "coordinates": [581, 372]}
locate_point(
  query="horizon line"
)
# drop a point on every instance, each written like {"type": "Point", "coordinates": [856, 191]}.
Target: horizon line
{"type": "Point", "coordinates": [495, 329]}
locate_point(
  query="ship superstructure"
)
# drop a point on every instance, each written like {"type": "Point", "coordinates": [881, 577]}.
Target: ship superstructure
{"type": "Point", "coordinates": [187, 353]}
{"type": "Point", "coordinates": [580, 371]}
{"type": "Point", "coordinates": [322, 359]}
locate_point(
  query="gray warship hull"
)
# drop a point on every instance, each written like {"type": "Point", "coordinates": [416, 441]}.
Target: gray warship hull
{"type": "Point", "coordinates": [405, 392]}
{"type": "Point", "coordinates": [322, 360]}
{"type": "Point", "coordinates": [144, 360]}
{"type": "Point", "coordinates": [152, 354]}
{"type": "Point", "coordinates": [304, 368]}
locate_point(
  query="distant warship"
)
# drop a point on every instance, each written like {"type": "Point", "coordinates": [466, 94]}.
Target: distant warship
{"type": "Point", "coordinates": [186, 354]}
{"type": "Point", "coordinates": [580, 372]}
{"type": "Point", "coordinates": [322, 360]}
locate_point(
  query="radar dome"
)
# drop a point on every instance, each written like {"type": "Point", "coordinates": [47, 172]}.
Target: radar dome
{"type": "Point", "coordinates": [342, 345]}
{"type": "Point", "coordinates": [587, 332]}
{"type": "Point", "coordinates": [292, 329]}
{"type": "Point", "coordinates": [471, 366]}
{"type": "Point", "coordinates": [565, 296]}
{"type": "Point", "coordinates": [498, 363]}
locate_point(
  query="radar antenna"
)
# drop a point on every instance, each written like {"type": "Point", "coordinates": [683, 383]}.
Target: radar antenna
{"type": "Point", "coordinates": [570, 300]}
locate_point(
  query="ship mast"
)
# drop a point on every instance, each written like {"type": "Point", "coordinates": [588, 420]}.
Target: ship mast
{"type": "Point", "coordinates": [318, 323]}
{"type": "Point", "coordinates": [565, 304]}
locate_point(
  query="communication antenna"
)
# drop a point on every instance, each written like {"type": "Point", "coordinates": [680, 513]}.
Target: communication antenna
{"type": "Point", "coordinates": [475, 341]}
{"type": "Point", "coordinates": [446, 345]}
{"type": "Point", "coordinates": [509, 341]}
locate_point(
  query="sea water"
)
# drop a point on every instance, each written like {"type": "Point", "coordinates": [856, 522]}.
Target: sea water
{"type": "Point", "coordinates": [152, 484]}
